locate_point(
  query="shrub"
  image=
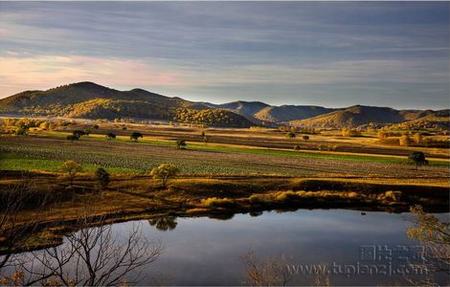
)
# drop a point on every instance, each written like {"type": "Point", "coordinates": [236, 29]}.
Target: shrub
{"type": "Point", "coordinates": [418, 158]}
{"type": "Point", "coordinates": [291, 134]}
{"type": "Point", "coordinates": [21, 131]}
{"type": "Point", "coordinates": [164, 172]}
{"type": "Point", "coordinates": [286, 196]}
{"type": "Point", "coordinates": [258, 198]}
{"type": "Point", "coordinates": [405, 140]}
{"type": "Point", "coordinates": [72, 138]}
{"type": "Point", "coordinates": [181, 144]}
{"type": "Point", "coordinates": [102, 177]}
{"type": "Point", "coordinates": [305, 138]}
{"type": "Point", "coordinates": [217, 202]}
{"type": "Point", "coordinates": [135, 136]}
{"type": "Point", "coordinates": [297, 147]}
{"type": "Point", "coordinates": [418, 138]}
{"type": "Point", "coordinates": [71, 168]}
{"type": "Point", "coordinates": [78, 133]}
{"type": "Point", "coordinates": [350, 133]}
{"type": "Point", "coordinates": [110, 136]}
{"type": "Point", "coordinates": [382, 135]}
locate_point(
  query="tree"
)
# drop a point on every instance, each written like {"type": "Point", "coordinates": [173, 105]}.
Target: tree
{"type": "Point", "coordinates": [92, 256]}
{"type": "Point", "coordinates": [102, 177]}
{"type": "Point", "coordinates": [418, 158]}
{"type": "Point", "coordinates": [22, 131]}
{"type": "Point", "coordinates": [434, 235]}
{"type": "Point", "coordinates": [205, 139]}
{"type": "Point", "coordinates": [305, 138]}
{"type": "Point", "coordinates": [110, 136]}
{"type": "Point", "coordinates": [405, 140]}
{"type": "Point", "coordinates": [72, 138]}
{"type": "Point", "coordinates": [181, 144]}
{"type": "Point", "coordinates": [164, 172]}
{"type": "Point", "coordinates": [135, 136]}
{"type": "Point", "coordinates": [382, 135]}
{"type": "Point", "coordinates": [418, 138]}
{"type": "Point", "coordinates": [291, 134]}
{"type": "Point", "coordinates": [297, 147]}
{"type": "Point", "coordinates": [164, 223]}
{"type": "Point", "coordinates": [78, 133]}
{"type": "Point", "coordinates": [71, 168]}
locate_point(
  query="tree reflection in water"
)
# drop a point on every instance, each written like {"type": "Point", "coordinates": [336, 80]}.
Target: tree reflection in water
{"type": "Point", "coordinates": [89, 257]}
{"type": "Point", "coordinates": [164, 223]}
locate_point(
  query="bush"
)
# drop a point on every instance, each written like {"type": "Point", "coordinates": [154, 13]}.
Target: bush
{"type": "Point", "coordinates": [217, 202]}
{"type": "Point", "coordinates": [102, 177]}
{"type": "Point", "coordinates": [135, 136]}
{"type": "Point", "coordinates": [350, 133]}
{"type": "Point", "coordinates": [78, 133]}
{"type": "Point", "coordinates": [164, 172]}
{"type": "Point", "coordinates": [181, 144]}
{"type": "Point", "coordinates": [71, 168]}
{"type": "Point", "coordinates": [72, 138]}
{"type": "Point", "coordinates": [418, 158]}
{"type": "Point", "coordinates": [405, 140]}
{"type": "Point", "coordinates": [21, 131]}
{"type": "Point", "coordinates": [291, 134]}
{"type": "Point", "coordinates": [110, 136]}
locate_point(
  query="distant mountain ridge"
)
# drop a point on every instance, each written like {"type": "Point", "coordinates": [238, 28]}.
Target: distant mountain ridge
{"type": "Point", "coordinates": [93, 101]}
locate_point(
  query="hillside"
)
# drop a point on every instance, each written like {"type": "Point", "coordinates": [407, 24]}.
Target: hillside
{"type": "Point", "coordinates": [437, 120]}
{"type": "Point", "coordinates": [355, 116]}
{"type": "Point", "coordinates": [93, 101]}
{"type": "Point", "coordinates": [286, 113]}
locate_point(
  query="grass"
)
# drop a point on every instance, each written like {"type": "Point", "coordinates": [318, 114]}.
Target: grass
{"type": "Point", "coordinates": [227, 148]}
{"type": "Point", "coordinates": [121, 156]}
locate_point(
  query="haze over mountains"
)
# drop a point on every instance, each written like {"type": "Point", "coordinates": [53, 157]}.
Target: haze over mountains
{"type": "Point", "coordinates": [93, 101]}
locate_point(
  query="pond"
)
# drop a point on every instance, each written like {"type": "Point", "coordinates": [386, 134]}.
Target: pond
{"type": "Point", "coordinates": [342, 247]}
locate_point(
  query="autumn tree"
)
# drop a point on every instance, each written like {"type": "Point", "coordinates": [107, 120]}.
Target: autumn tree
{"type": "Point", "coordinates": [418, 158]}
{"type": "Point", "coordinates": [291, 134]}
{"type": "Point", "coordinates": [164, 172]}
{"type": "Point", "coordinates": [135, 136]}
{"type": "Point", "coordinates": [181, 144]}
{"type": "Point", "coordinates": [110, 136]}
{"type": "Point", "coordinates": [71, 168]}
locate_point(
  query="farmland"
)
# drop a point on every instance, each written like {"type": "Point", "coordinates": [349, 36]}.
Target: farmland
{"type": "Point", "coordinates": [236, 170]}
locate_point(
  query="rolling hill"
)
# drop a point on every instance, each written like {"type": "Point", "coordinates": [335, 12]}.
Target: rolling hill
{"type": "Point", "coordinates": [92, 101]}
{"type": "Point", "coordinates": [358, 115]}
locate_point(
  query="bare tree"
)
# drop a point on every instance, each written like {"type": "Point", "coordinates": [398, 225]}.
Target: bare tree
{"type": "Point", "coordinates": [434, 235]}
{"type": "Point", "coordinates": [13, 233]}
{"type": "Point", "coordinates": [266, 272]}
{"type": "Point", "coordinates": [90, 257]}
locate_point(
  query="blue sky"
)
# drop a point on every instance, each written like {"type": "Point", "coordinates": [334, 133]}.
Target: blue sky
{"type": "Point", "coordinates": [329, 53]}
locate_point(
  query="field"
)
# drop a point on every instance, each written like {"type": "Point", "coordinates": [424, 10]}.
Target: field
{"type": "Point", "coordinates": [236, 170]}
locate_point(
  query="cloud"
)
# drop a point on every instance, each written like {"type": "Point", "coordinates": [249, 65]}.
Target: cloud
{"type": "Point", "coordinates": [41, 72]}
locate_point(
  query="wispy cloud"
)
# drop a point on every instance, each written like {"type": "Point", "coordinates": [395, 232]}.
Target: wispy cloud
{"type": "Point", "coordinates": [225, 51]}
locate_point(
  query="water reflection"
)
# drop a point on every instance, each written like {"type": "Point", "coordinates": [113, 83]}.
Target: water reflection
{"type": "Point", "coordinates": [204, 251]}
{"type": "Point", "coordinates": [164, 223]}
{"type": "Point", "coordinates": [90, 257]}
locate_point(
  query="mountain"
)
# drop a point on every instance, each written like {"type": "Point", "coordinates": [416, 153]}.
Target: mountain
{"type": "Point", "coordinates": [427, 119]}
{"type": "Point", "coordinates": [262, 112]}
{"type": "Point", "coordinates": [93, 101]}
{"type": "Point", "coordinates": [286, 113]}
{"type": "Point", "coordinates": [358, 115]}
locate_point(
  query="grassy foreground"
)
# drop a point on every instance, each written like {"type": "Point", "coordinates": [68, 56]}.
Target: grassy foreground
{"type": "Point", "coordinates": [143, 198]}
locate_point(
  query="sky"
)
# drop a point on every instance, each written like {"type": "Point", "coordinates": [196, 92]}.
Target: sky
{"type": "Point", "coordinates": [332, 54]}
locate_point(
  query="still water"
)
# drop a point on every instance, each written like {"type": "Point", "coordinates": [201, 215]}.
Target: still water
{"type": "Point", "coordinates": [205, 251]}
